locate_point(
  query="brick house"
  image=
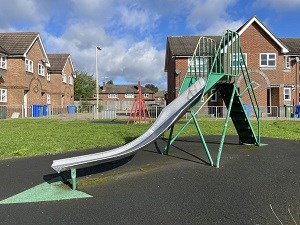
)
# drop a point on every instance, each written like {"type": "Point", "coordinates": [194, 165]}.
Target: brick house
{"type": "Point", "coordinates": [27, 77]}
{"type": "Point", "coordinates": [123, 92]}
{"type": "Point", "coordinates": [61, 72]}
{"type": "Point", "coordinates": [273, 64]}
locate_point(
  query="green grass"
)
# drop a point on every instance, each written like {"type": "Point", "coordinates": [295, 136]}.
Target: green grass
{"type": "Point", "coordinates": [30, 137]}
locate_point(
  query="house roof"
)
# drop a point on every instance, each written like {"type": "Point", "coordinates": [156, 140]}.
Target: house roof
{"type": "Point", "coordinates": [58, 61]}
{"type": "Point", "coordinates": [185, 45]}
{"type": "Point", "coordinates": [124, 89]}
{"type": "Point", "coordinates": [17, 43]}
{"type": "Point", "coordinates": [3, 51]}
{"type": "Point", "coordinates": [160, 94]}
{"type": "Point", "coordinates": [293, 44]}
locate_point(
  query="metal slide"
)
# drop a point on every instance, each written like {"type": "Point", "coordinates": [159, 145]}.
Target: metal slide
{"type": "Point", "coordinates": [169, 115]}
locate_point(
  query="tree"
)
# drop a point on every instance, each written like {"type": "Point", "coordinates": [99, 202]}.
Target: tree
{"type": "Point", "coordinates": [84, 85]}
{"type": "Point", "coordinates": [152, 87]}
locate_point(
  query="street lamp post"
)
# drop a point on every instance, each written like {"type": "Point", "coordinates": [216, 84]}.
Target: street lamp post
{"type": "Point", "coordinates": [97, 83]}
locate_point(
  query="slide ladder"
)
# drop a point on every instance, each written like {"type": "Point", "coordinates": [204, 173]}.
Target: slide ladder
{"type": "Point", "coordinates": [238, 114]}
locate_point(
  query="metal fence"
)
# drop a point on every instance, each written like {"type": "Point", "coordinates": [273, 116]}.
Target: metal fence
{"type": "Point", "coordinates": [122, 111]}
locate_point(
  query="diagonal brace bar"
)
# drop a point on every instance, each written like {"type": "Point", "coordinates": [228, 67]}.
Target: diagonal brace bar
{"type": "Point", "coordinates": [225, 127]}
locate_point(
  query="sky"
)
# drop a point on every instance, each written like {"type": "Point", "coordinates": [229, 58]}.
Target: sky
{"type": "Point", "coordinates": [132, 33]}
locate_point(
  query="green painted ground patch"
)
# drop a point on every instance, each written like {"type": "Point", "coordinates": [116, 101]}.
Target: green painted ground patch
{"type": "Point", "coordinates": [55, 190]}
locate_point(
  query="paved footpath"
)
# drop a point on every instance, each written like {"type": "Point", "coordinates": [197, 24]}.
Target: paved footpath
{"type": "Point", "coordinates": [252, 186]}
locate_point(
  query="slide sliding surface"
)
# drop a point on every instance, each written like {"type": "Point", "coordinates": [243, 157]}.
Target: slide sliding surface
{"type": "Point", "coordinates": [169, 115]}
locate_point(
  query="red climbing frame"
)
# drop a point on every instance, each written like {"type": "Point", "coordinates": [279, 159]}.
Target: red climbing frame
{"type": "Point", "coordinates": [139, 111]}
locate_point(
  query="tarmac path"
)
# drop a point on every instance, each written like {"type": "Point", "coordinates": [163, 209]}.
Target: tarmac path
{"type": "Point", "coordinates": [252, 186]}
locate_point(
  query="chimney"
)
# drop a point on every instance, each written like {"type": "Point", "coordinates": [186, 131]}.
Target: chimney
{"type": "Point", "coordinates": [103, 87]}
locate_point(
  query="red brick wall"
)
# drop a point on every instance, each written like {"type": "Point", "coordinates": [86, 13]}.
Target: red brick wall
{"type": "Point", "coordinates": [18, 82]}
{"type": "Point", "coordinates": [254, 41]}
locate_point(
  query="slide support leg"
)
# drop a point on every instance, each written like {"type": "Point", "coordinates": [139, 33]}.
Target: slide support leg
{"type": "Point", "coordinates": [73, 176]}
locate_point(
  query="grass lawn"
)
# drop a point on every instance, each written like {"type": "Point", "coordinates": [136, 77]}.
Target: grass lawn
{"type": "Point", "coordinates": [29, 137]}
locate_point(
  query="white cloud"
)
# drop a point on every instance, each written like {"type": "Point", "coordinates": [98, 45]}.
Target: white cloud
{"type": "Point", "coordinates": [210, 17]}
{"type": "Point", "coordinates": [19, 11]}
{"type": "Point", "coordinates": [219, 27]}
{"type": "Point", "coordinates": [140, 62]}
{"type": "Point", "coordinates": [123, 57]}
{"type": "Point", "coordinates": [133, 17]}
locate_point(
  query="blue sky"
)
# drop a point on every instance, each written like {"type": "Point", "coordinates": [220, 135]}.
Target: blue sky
{"type": "Point", "coordinates": [132, 33]}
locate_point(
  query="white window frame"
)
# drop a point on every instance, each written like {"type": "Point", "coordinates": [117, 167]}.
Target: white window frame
{"type": "Point", "coordinates": [146, 95]}
{"type": "Point", "coordinates": [268, 60]}
{"type": "Point", "coordinates": [214, 98]}
{"type": "Point", "coordinates": [48, 77]}
{"type": "Point", "coordinates": [41, 70]}
{"type": "Point", "coordinates": [29, 65]}
{"type": "Point", "coordinates": [3, 62]}
{"type": "Point", "coordinates": [3, 95]}
{"type": "Point", "coordinates": [287, 62]}
{"type": "Point", "coordinates": [48, 99]}
{"type": "Point", "coordinates": [129, 95]}
{"type": "Point", "coordinates": [112, 95]}
{"type": "Point", "coordinates": [233, 59]}
{"type": "Point", "coordinates": [64, 78]}
{"type": "Point", "coordinates": [201, 65]}
{"type": "Point", "coordinates": [287, 91]}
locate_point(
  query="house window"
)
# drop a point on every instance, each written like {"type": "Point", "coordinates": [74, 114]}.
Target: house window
{"type": "Point", "coordinates": [29, 65]}
{"type": "Point", "coordinates": [198, 64]}
{"type": "Point", "coordinates": [48, 99]}
{"type": "Point", "coordinates": [64, 78]}
{"type": "Point", "coordinates": [267, 60]}
{"type": "Point", "coordinates": [48, 77]}
{"type": "Point", "coordinates": [287, 62]}
{"type": "Point", "coordinates": [236, 61]}
{"type": "Point", "coordinates": [129, 95]}
{"type": "Point", "coordinates": [112, 95]}
{"type": "Point", "coordinates": [70, 80]}
{"type": "Point", "coordinates": [214, 93]}
{"type": "Point", "coordinates": [3, 62]}
{"type": "Point", "coordinates": [287, 94]}
{"type": "Point", "coordinates": [41, 70]}
{"type": "Point", "coordinates": [146, 95]}
{"type": "Point", "coordinates": [3, 95]}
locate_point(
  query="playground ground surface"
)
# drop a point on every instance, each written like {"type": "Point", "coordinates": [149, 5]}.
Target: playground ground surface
{"type": "Point", "coordinates": [253, 185]}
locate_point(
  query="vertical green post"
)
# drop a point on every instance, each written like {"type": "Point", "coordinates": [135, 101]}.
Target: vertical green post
{"type": "Point", "coordinates": [73, 176]}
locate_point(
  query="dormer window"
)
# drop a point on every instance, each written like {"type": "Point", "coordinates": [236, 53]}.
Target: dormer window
{"type": "Point", "coordinates": [3, 62]}
{"type": "Point", "coordinates": [29, 65]}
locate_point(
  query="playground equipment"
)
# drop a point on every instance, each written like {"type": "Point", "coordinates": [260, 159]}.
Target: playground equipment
{"type": "Point", "coordinates": [209, 68]}
{"type": "Point", "coordinates": [139, 111]}
{"type": "Point", "coordinates": [226, 63]}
